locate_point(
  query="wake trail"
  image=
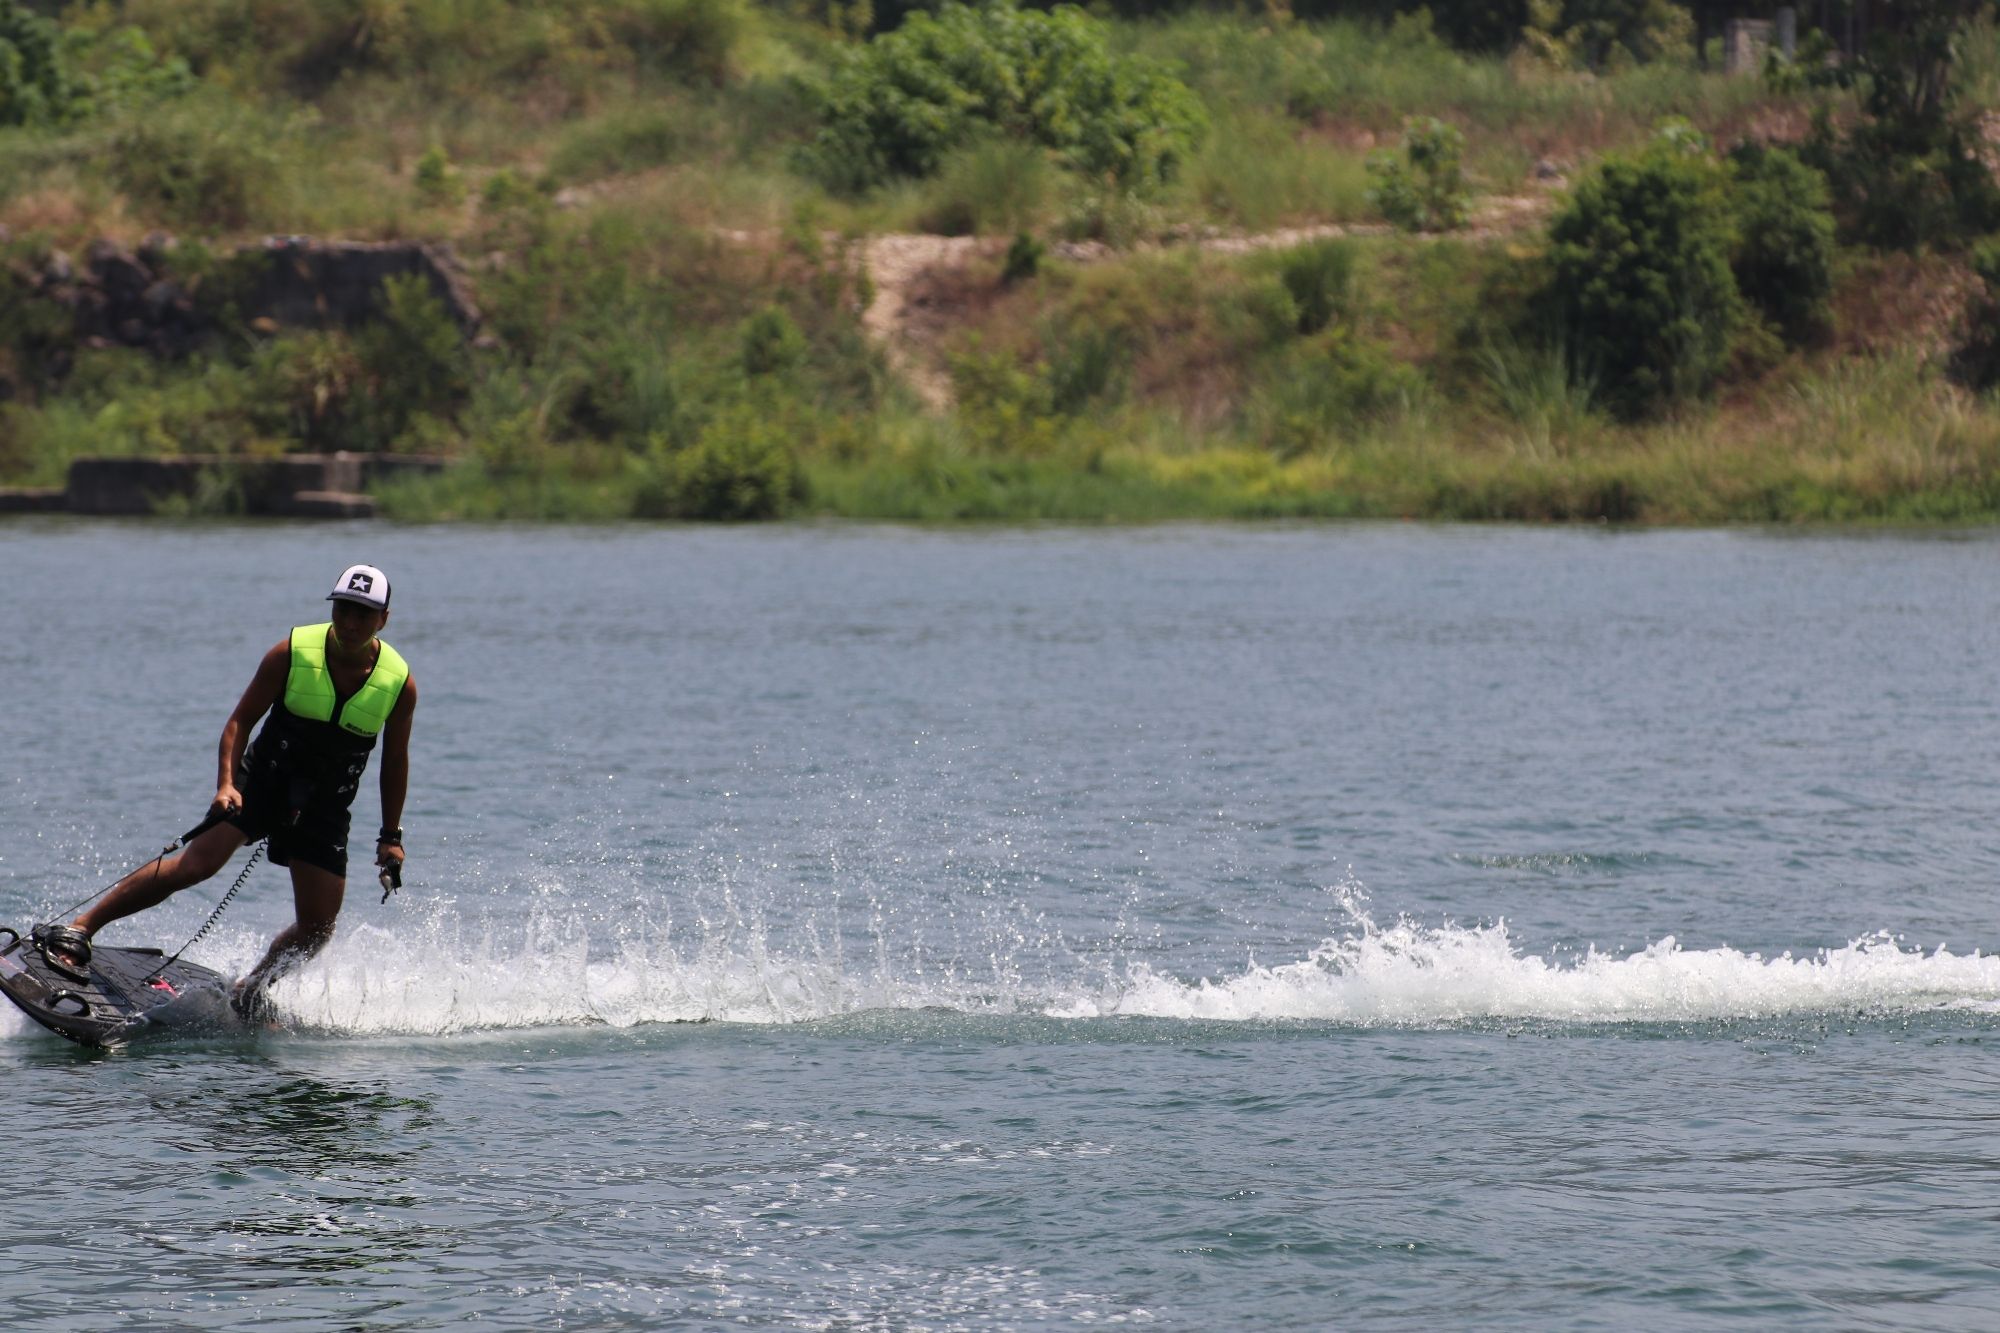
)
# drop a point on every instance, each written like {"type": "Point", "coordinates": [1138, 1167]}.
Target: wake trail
{"type": "Point", "coordinates": [1404, 975]}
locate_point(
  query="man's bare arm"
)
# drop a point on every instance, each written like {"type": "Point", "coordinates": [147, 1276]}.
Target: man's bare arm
{"type": "Point", "coordinates": [264, 690]}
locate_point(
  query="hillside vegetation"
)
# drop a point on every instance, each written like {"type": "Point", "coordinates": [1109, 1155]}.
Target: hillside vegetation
{"type": "Point", "coordinates": [1551, 264]}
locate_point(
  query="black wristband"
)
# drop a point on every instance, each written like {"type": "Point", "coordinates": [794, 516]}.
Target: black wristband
{"type": "Point", "coordinates": [392, 836]}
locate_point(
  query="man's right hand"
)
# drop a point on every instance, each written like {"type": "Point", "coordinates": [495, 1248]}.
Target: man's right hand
{"type": "Point", "coordinates": [227, 801]}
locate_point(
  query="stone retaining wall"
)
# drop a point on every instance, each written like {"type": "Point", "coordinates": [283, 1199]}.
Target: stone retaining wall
{"type": "Point", "coordinates": [290, 486]}
{"type": "Point", "coordinates": [135, 298]}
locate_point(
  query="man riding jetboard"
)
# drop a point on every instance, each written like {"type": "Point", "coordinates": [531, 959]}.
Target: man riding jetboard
{"type": "Point", "coordinates": [326, 693]}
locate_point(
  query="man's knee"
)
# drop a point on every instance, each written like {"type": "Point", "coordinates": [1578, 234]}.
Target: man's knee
{"type": "Point", "coordinates": [206, 854]}
{"type": "Point", "coordinates": [316, 899]}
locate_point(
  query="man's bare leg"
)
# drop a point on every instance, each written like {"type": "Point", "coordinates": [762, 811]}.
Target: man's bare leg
{"type": "Point", "coordinates": [156, 881]}
{"type": "Point", "coordinates": [316, 899]}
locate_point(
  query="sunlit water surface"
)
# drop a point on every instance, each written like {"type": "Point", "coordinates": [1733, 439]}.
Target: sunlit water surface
{"type": "Point", "coordinates": [1190, 927]}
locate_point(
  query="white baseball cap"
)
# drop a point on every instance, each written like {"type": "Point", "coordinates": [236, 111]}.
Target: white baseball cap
{"type": "Point", "coordinates": [364, 584]}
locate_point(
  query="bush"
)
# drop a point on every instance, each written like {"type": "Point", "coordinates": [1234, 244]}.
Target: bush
{"type": "Point", "coordinates": [414, 357]}
{"type": "Point", "coordinates": [1976, 361]}
{"type": "Point", "coordinates": [504, 189]}
{"type": "Point", "coordinates": [202, 163]}
{"type": "Point", "coordinates": [1906, 189]}
{"type": "Point", "coordinates": [1023, 261]}
{"type": "Point", "coordinates": [1085, 364]}
{"type": "Point", "coordinates": [459, 49]}
{"type": "Point", "coordinates": [625, 140]}
{"type": "Point", "coordinates": [899, 106]}
{"type": "Point", "coordinates": [991, 185]}
{"type": "Point", "coordinates": [124, 70]}
{"type": "Point", "coordinates": [1911, 172]}
{"type": "Point", "coordinates": [435, 180]}
{"type": "Point", "coordinates": [692, 39]}
{"type": "Point", "coordinates": [740, 468]}
{"type": "Point", "coordinates": [1424, 188]}
{"type": "Point", "coordinates": [305, 389]}
{"type": "Point", "coordinates": [1333, 387]}
{"type": "Point", "coordinates": [1640, 287]}
{"type": "Point", "coordinates": [37, 86]}
{"type": "Point", "coordinates": [772, 343]}
{"type": "Point", "coordinates": [37, 336]}
{"type": "Point", "coordinates": [1607, 34]}
{"type": "Point", "coordinates": [1784, 251]}
{"type": "Point", "coordinates": [1319, 277]}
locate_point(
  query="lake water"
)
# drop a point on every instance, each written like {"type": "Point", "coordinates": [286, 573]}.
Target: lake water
{"type": "Point", "coordinates": [847, 927]}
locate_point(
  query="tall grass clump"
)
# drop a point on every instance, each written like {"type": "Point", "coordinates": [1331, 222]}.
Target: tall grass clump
{"type": "Point", "coordinates": [990, 185]}
{"type": "Point", "coordinates": [627, 138]}
{"type": "Point", "coordinates": [1319, 278]}
{"type": "Point", "coordinates": [1255, 171]}
{"type": "Point", "coordinates": [205, 162]}
{"type": "Point", "coordinates": [1542, 393]}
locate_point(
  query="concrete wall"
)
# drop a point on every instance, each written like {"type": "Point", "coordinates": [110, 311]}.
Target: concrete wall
{"type": "Point", "coordinates": [299, 485]}
{"type": "Point", "coordinates": [126, 298]}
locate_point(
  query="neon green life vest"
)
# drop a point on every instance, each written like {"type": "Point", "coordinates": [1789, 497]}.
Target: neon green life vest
{"type": "Point", "coordinates": [309, 686]}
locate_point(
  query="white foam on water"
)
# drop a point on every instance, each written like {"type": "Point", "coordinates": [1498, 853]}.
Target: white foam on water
{"type": "Point", "coordinates": [375, 981]}
{"type": "Point", "coordinates": [1403, 974]}
{"type": "Point", "coordinates": [1408, 974]}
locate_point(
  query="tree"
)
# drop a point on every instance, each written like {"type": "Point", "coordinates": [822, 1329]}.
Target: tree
{"type": "Point", "coordinates": [1640, 287]}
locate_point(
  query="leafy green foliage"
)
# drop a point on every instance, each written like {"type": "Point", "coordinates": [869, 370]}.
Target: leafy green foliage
{"type": "Point", "coordinates": [124, 70]}
{"type": "Point", "coordinates": [742, 467]}
{"type": "Point", "coordinates": [990, 185]}
{"type": "Point", "coordinates": [203, 161]}
{"type": "Point", "coordinates": [414, 357]}
{"type": "Point", "coordinates": [1975, 362]}
{"type": "Point", "coordinates": [1784, 252]}
{"type": "Point", "coordinates": [306, 389]}
{"type": "Point", "coordinates": [366, 390]}
{"type": "Point", "coordinates": [304, 47]}
{"type": "Point", "coordinates": [622, 140]}
{"type": "Point", "coordinates": [900, 105]}
{"type": "Point", "coordinates": [1319, 278]}
{"type": "Point", "coordinates": [37, 86]}
{"type": "Point", "coordinates": [1910, 173]}
{"type": "Point", "coordinates": [1607, 34]}
{"type": "Point", "coordinates": [436, 181]}
{"type": "Point", "coordinates": [772, 343]}
{"type": "Point", "coordinates": [1334, 387]}
{"type": "Point", "coordinates": [1023, 261]}
{"type": "Point", "coordinates": [37, 336]}
{"type": "Point", "coordinates": [1640, 285]}
{"type": "Point", "coordinates": [1423, 188]}
{"type": "Point", "coordinates": [504, 189]}
{"type": "Point", "coordinates": [51, 76]}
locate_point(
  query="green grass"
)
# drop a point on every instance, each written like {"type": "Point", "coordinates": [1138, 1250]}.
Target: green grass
{"type": "Point", "coordinates": [1258, 170]}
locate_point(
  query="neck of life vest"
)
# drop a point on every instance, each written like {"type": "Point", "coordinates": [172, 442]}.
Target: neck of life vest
{"type": "Point", "coordinates": [310, 696]}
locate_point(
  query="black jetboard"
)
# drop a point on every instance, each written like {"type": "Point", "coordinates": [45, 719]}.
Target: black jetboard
{"type": "Point", "coordinates": [126, 990]}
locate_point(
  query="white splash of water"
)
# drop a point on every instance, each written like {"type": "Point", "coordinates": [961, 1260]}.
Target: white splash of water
{"type": "Point", "coordinates": [375, 981]}
{"type": "Point", "coordinates": [1408, 974]}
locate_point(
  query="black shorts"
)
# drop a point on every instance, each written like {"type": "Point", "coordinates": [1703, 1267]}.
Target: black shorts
{"type": "Point", "coordinates": [312, 829]}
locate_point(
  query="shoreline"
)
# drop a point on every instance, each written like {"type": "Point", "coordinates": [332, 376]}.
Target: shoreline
{"type": "Point", "coordinates": [1133, 489]}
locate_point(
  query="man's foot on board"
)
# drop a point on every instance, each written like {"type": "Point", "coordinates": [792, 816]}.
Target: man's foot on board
{"type": "Point", "coordinates": [252, 1002]}
{"type": "Point", "coordinates": [66, 948]}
